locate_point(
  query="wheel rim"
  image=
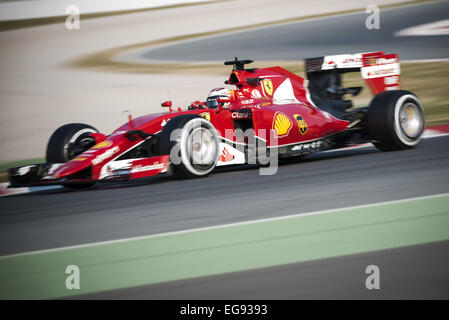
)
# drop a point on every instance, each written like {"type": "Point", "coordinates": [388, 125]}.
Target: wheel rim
{"type": "Point", "coordinates": [72, 149]}
{"type": "Point", "coordinates": [202, 147]}
{"type": "Point", "coordinates": [410, 120]}
{"type": "Point", "coordinates": [199, 147]}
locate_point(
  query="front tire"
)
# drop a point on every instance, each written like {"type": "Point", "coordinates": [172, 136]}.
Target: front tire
{"type": "Point", "coordinates": [65, 139]}
{"type": "Point", "coordinates": [66, 143]}
{"type": "Point", "coordinates": [192, 143]}
{"type": "Point", "coordinates": [395, 120]}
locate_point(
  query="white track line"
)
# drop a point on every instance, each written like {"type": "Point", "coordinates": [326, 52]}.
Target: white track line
{"type": "Point", "coordinates": [172, 233]}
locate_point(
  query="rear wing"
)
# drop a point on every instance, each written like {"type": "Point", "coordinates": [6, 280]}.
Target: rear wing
{"type": "Point", "coordinates": [380, 71]}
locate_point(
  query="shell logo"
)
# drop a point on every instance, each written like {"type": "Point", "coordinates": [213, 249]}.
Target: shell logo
{"type": "Point", "coordinates": [282, 124]}
{"type": "Point", "coordinates": [371, 61]}
{"type": "Point", "coordinates": [103, 144]}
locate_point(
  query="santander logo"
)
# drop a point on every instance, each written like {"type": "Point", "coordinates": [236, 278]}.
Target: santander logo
{"type": "Point", "coordinates": [386, 61]}
{"type": "Point", "coordinates": [226, 156]}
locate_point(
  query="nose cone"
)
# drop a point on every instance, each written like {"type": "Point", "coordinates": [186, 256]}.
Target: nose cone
{"type": "Point", "coordinates": [71, 167]}
{"type": "Point", "coordinates": [98, 155]}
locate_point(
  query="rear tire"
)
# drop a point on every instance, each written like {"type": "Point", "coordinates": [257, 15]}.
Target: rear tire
{"type": "Point", "coordinates": [395, 120]}
{"type": "Point", "coordinates": [193, 149]}
{"type": "Point", "coordinates": [61, 143]}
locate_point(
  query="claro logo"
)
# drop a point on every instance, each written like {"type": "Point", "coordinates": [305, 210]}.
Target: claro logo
{"type": "Point", "coordinates": [99, 159]}
{"type": "Point", "coordinates": [240, 115]}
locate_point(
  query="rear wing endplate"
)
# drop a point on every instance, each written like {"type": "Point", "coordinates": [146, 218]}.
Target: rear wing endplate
{"type": "Point", "coordinates": [380, 71]}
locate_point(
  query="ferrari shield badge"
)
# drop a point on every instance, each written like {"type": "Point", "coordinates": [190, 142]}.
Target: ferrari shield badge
{"type": "Point", "coordinates": [268, 86]}
{"type": "Point", "coordinates": [205, 115]}
{"type": "Point", "coordinates": [302, 125]}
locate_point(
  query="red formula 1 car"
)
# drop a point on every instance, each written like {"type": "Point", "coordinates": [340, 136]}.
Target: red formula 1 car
{"type": "Point", "coordinates": [272, 113]}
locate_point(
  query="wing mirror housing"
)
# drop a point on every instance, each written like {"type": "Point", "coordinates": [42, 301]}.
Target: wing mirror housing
{"type": "Point", "coordinates": [167, 104]}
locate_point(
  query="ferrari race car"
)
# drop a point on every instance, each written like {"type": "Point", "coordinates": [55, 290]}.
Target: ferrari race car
{"type": "Point", "coordinates": [270, 114]}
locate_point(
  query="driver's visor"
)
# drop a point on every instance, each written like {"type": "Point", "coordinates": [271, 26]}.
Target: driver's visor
{"type": "Point", "coordinates": [212, 102]}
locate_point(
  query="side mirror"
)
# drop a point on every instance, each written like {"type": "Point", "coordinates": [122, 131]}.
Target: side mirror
{"type": "Point", "coordinates": [167, 104]}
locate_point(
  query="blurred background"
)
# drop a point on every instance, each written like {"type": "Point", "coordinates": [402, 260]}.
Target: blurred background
{"type": "Point", "coordinates": [131, 55]}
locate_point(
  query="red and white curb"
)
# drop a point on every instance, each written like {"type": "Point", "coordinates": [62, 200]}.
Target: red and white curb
{"type": "Point", "coordinates": [437, 28]}
{"type": "Point", "coordinates": [436, 131]}
{"type": "Point", "coordinates": [430, 132]}
{"type": "Point", "coordinates": [5, 191]}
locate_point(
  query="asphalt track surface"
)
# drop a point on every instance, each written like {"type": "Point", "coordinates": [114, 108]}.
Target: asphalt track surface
{"type": "Point", "coordinates": [414, 272]}
{"type": "Point", "coordinates": [318, 37]}
{"type": "Point", "coordinates": [321, 181]}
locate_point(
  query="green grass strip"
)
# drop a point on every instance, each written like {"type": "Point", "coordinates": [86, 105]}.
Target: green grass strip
{"type": "Point", "coordinates": [226, 249]}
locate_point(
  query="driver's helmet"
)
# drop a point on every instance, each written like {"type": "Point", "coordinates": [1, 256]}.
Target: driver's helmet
{"type": "Point", "coordinates": [216, 93]}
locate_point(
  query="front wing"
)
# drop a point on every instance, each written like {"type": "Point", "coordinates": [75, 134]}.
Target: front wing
{"type": "Point", "coordinates": [43, 174]}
